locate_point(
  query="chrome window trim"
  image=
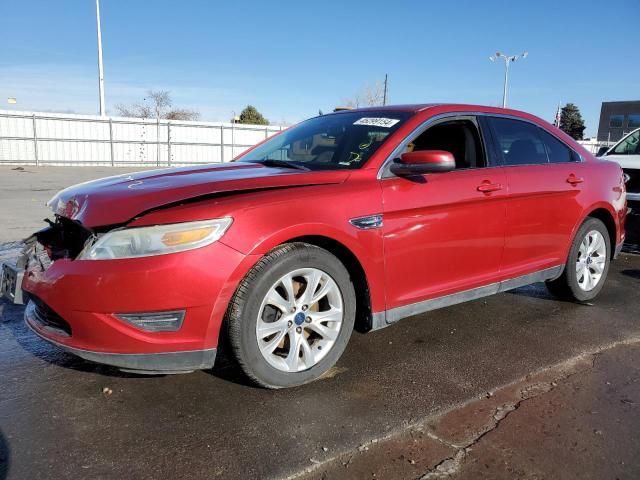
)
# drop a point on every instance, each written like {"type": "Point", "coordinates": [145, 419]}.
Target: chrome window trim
{"type": "Point", "coordinates": [384, 172]}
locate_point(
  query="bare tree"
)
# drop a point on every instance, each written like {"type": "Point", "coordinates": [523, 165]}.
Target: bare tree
{"type": "Point", "coordinates": [160, 102]}
{"type": "Point", "coordinates": [181, 114]}
{"type": "Point", "coordinates": [157, 104]}
{"type": "Point", "coordinates": [371, 95]}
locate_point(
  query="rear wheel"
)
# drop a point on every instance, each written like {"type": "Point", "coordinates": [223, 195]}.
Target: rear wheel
{"type": "Point", "coordinates": [587, 265]}
{"type": "Point", "coordinates": [292, 316]}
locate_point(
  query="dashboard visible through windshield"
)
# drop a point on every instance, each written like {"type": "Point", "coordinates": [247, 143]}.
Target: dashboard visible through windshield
{"type": "Point", "coordinates": [329, 142]}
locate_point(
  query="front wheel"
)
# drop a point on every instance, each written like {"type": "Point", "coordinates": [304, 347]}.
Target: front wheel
{"type": "Point", "coordinates": [587, 265]}
{"type": "Point", "coordinates": [292, 316]}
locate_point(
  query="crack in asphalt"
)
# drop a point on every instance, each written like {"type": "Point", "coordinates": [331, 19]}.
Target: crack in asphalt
{"type": "Point", "coordinates": [447, 467]}
{"type": "Point", "coordinates": [452, 464]}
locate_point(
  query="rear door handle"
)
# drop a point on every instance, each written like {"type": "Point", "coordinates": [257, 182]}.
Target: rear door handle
{"type": "Point", "coordinates": [573, 180]}
{"type": "Point", "coordinates": [486, 187]}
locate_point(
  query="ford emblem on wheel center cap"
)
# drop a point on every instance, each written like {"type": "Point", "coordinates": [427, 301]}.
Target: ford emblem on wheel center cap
{"type": "Point", "coordinates": [299, 318]}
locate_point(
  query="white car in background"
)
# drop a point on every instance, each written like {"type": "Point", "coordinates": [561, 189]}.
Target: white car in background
{"type": "Point", "coordinates": [626, 153]}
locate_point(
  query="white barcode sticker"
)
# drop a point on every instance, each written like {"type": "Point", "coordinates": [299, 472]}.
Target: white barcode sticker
{"type": "Point", "coordinates": [377, 122]}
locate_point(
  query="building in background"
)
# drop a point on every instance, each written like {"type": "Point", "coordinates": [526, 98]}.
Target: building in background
{"type": "Point", "coordinates": [617, 119]}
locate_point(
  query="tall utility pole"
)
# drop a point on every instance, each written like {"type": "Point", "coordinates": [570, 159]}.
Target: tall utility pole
{"type": "Point", "coordinates": [100, 67]}
{"type": "Point", "coordinates": [507, 60]}
{"type": "Point", "coordinates": [384, 97]}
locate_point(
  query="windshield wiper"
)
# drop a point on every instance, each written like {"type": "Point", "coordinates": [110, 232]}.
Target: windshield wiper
{"type": "Point", "coordinates": [272, 162]}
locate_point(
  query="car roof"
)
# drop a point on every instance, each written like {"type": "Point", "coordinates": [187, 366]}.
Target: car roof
{"type": "Point", "coordinates": [420, 107]}
{"type": "Point", "coordinates": [391, 108]}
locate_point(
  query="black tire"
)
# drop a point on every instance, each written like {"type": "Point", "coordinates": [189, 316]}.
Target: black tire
{"type": "Point", "coordinates": [566, 286]}
{"type": "Point", "coordinates": [244, 308]}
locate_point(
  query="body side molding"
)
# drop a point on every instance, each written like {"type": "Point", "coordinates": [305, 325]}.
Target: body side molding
{"type": "Point", "coordinates": [388, 317]}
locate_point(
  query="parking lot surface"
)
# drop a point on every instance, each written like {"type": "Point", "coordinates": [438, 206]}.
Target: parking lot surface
{"type": "Point", "coordinates": [575, 419]}
{"type": "Point", "coordinates": [62, 417]}
{"type": "Point", "coordinates": [24, 192]}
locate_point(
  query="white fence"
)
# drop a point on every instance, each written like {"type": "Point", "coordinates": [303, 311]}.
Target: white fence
{"type": "Point", "coordinates": [31, 138]}
{"type": "Point", "coordinates": [593, 145]}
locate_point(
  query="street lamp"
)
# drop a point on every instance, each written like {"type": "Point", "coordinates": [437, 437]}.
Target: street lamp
{"type": "Point", "coordinates": [507, 60]}
{"type": "Point", "coordinates": [100, 67]}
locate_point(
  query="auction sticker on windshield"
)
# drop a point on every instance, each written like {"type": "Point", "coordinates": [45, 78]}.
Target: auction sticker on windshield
{"type": "Point", "coordinates": [377, 122]}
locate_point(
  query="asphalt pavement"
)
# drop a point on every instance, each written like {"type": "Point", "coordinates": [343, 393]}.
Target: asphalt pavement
{"type": "Point", "coordinates": [24, 192]}
{"type": "Point", "coordinates": [576, 419]}
{"type": "Point", "coordinates": [62, 417]}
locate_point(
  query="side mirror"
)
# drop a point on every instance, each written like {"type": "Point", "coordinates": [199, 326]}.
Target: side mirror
{"type": "Point", "coordinates": [602, 151]}
{"type": "Point", "coordinates": [424, 161]}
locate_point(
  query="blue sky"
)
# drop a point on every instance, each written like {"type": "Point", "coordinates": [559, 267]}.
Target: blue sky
{"type": "Point", "coordinates": [291, 58]}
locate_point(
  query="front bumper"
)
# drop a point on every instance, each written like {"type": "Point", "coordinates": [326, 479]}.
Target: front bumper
{"type": "Point", "coordinates": [145, 363]}
{"type": "Point", "coordinates": [81, 298]}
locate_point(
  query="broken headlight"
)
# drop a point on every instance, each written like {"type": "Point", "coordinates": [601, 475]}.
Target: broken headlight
{"type": "Point", "coordinates": [156, 240]}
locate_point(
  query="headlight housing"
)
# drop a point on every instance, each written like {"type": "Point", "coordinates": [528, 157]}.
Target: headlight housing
{"type": "Point", "coordinates": [157, 240]}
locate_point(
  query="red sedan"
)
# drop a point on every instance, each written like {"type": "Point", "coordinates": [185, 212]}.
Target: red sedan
{"type": "Point", "coordinates": [359, 217]}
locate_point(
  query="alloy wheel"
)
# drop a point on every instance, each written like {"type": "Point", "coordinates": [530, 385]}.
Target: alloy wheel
{"type": "Point", "coordinates": [299, 320]}
{"type": "Point", "coordinates": [591, 261]}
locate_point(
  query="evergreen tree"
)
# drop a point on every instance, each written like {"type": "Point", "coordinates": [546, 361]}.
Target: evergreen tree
{"type": "Point", "coordinates": [252, 116]}
{"type": "Point", "coordinates": [571, 121]}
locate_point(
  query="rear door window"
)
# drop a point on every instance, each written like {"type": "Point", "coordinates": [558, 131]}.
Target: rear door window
{"type": "Point", "coordinates": [518, 142]}
{"type": "Point", "coordinates": [557, 151]}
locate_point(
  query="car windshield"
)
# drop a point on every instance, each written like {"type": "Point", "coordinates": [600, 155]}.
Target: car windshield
{"type": "Point", "coordinates": [329, 142]}
{"type": "Point", "coordinates": [630, 145]}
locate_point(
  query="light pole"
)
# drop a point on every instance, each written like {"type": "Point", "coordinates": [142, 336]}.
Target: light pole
{"type": "Point", "coordinates": [507, 60]}
{"type": "Point", "coordinates": [100, 67]}
{"type": "Point", "coordinates": [384, 98]}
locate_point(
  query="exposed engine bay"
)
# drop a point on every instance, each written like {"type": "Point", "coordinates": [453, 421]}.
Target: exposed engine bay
{"type": "Point", "coordinates": [63, 238]}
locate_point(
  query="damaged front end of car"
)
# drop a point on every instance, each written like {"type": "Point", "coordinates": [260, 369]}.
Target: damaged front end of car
{"type": "Point", "coordinates": [63, 238]}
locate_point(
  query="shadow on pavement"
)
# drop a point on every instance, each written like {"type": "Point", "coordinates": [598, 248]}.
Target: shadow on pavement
{"type": "Point", "coordinates": [11, 320]}
{"type": "Point", "coordinates": [5, 457]}
{"type": "Point", "coordinates": [536, 290]}
{"type": "Point", "coordinates": [633, 273]}
{"type": "Point", "coordinates": [226, 368]}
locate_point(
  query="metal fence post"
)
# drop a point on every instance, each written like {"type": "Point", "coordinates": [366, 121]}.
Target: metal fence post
{"type": "Point", "coordinates": [221, 143]}
{"type": "Point", "coordinates": [168, 144]}
{"type": "Point", "coordinates": [157, 141]}
{"type": "Point", "coordinates": [233, 138]}
{"type": "Point", "coordinates": [266, 132]}
{"type": "Point", "coordinates": [35, 141]}
{"type": "Point", "coordinates": [111, 141]}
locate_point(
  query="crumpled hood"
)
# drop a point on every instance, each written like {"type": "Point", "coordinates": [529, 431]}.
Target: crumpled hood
{"type": "Point", "coordinates": [118, 199]}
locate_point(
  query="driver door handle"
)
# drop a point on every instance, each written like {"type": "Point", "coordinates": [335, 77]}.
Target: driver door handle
{"type": "Point", "coordinates": [486, 187]}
